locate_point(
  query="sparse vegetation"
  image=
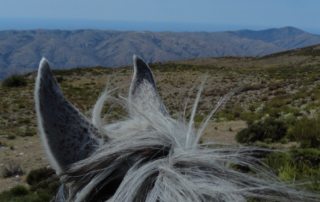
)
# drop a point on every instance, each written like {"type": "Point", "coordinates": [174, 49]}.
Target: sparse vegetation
{"type": "Point", "coordinates": [43, 185]}
{"type": "Point", "coordinates": [280, 101]}
{"type": "Point", "coordinates": [11, 169]}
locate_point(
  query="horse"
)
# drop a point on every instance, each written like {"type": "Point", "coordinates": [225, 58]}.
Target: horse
{"type": "Point", "coordinates": [148, 155]}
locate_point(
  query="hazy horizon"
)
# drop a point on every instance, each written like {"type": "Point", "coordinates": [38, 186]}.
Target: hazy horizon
{"type": "Point", "coordinates": [152, 15]}
{"type": "Point", "coordinates": [52, 24]}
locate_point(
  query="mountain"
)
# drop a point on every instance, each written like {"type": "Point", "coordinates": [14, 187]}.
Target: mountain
{"type": "Point", "coordinates": [21, 51]}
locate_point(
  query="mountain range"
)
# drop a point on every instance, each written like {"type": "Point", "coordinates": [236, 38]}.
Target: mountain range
{"type": "Point", "coordinates": [20, 51]}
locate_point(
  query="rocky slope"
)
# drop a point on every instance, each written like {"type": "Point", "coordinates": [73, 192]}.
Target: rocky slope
{"type": "Point", "coordinates": [20, 51]}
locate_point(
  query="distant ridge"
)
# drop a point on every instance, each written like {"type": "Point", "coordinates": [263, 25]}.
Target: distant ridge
{"type": "Point", "coordinates": [21, 51]}
{"type": "Point", "coordinates": [313, 50]}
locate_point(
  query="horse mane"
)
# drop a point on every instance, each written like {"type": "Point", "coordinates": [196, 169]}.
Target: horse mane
{"type": "Point", "coordinates": [149, 157]}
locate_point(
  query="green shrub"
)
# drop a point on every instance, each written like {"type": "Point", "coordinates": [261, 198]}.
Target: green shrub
{"type": "Point", "coordinates": [268, 130]}
{"type": "Point", "coordinates": [277, 160]}
{"type": "Point", "coordinates": [14, 81]}
{"type": "Point", "coordinates": [38, 175]}
{"type": "Point", "coordinates": [250, 117]}
{"type": "Point", "coordinates": [310, 157]}
{"type": "Point", "coordinates": [288, 172]}
{"type": "Point", "coordinates": [43, 182]}
{"type": "Point", "coordinates": [297, 165]}
{"type": "Point", "coordinates": [22, 194]}
{"type": "Point", "coordinates": [307, 132]}
{"type": "Point", "coordinates": [19, 190]}
{"type": "Point", "coordinates": [11, 137]}
{"type": "Point", "coordinates": [43, 186]}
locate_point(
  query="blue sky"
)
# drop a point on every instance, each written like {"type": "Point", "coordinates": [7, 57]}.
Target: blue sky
{"type": "Point", "coordinates": [188, 14]}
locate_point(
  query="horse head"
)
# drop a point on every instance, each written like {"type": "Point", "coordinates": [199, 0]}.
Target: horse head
{"type": "Point", "coordinates": [148, 156]}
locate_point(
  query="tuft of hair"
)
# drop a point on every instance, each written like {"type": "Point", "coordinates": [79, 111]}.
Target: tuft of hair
{"type": "Point", "coordinates": [152, 157]}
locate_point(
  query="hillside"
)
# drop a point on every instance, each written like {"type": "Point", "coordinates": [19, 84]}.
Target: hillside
{"type": "Point", "coordinates": [282, 90]}
{"type": "Point", "coordinates": [20, 51]}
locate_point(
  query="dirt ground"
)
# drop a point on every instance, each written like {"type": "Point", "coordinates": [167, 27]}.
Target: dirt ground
{"type": "Point", "coordinates": [27, 152]}
{"type": "Point", "coordinates": [223, 132]}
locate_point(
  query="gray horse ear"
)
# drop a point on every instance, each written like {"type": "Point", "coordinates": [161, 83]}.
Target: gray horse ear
{"type": "Point", "coordinates": [66, 134]}
{"type": "Point", "coordinates": [143, 93]}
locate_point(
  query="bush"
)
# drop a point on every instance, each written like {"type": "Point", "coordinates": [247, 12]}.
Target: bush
{"type": "Point", "coordinates": [277, 160]}
{"type": "Point", "coordinates": [38, 175]}
{"type": "Point", "coordinates": [43, 186]}
{"type": "Point", "coordinates": [300, 165]}
{"type": "Point", "coordinates": [60, 79]}
{"type": "Point", "coordinates": [14, 81]}
{"type": "Point", "coordinates": [268, 130]}
{"type": "Point", "coordinates": [310, 157]}
{"type": "Point", "coordinates": [19, 190]}
{"type": "Point", "coordinates": [22, 194]}
{"type": "Point", "coordinates": [11, 137]}
{"type": "Point", "coordinates": [43, 180]}
{"type": "Point", "coordinates": [11, 169]}
{"type": "Point", "coordinates": [307, 132]}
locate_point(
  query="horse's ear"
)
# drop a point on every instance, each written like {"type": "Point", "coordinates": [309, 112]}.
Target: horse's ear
{"type": "Point", "coordinates": [143, 93]}
{"type": "Point", "coordinates": [66, 134]}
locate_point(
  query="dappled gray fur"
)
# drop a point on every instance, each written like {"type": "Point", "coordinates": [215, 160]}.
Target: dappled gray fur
{"type": "Point", "coordinates": [150, 156]}
{"type": "Point", "coordinates": [67, 135]}
{"type": "Point", "coordinates": [143, 88]}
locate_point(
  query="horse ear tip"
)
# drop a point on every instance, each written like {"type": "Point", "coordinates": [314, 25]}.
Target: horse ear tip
{"type": "Point", "coordinates": [44, 66]}
{"type": "Point", "coordinates": [134, 57]}
{"type": "Point", "coordinates": [43, 61]}
{"type": "Point", "coordinates": [137, 58]}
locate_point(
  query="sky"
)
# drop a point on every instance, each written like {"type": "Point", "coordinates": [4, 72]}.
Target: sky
{"type": "Point", "coordinates": [173, 15]}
